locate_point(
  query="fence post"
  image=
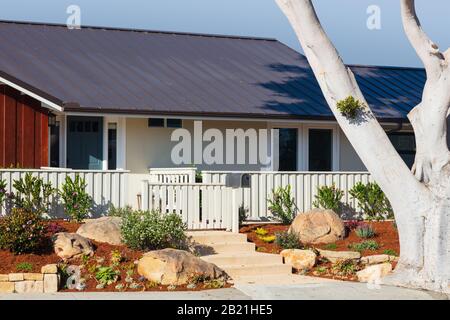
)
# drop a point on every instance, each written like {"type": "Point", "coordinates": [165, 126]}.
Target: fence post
{"type": "Point", "coordinates": [234, 210]}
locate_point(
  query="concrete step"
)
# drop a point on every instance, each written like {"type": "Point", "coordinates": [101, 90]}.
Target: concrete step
{"type": "Point", "coordinates": [243, 258]}
{"type": "Point", "coordinates": [225, 247]}
{"type": "Point", "coordinates": [211, 237]}
{"type": "Point", "coordinates": [235, 272]}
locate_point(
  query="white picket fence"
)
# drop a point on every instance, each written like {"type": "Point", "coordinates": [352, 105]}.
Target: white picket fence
{"type": "Point", "coordinates": [105, 187]}
{"type": "Point", "coordinates": [201, 206]}
{"type": "Point", "coordinates": [172, 175]}
{"type": "Point", "coordinates": [303, 187]}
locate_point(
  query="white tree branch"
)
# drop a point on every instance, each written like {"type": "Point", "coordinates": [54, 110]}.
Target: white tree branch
{"type": "Point", "coordinates": [433, 60]}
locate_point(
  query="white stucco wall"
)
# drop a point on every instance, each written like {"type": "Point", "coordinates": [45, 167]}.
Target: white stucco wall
{"type": "Point", "coordinates": [151, 147]}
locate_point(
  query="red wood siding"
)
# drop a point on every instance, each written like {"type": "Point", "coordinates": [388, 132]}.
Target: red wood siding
{"type": "Point", "coordinates": [23, 130]}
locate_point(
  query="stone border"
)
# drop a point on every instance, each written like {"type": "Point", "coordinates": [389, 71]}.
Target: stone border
{"type": "Point", "coordinates": [45, 282]}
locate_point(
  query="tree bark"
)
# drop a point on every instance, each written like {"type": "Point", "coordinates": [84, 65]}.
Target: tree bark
{"type": "Point", "coordinates": [420, 207]}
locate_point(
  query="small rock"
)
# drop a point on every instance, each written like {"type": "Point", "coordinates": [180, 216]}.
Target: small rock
{"type": "Point", "coordinates": [375, 259]}
{"type": "Point", "coordinates": [71, 245]}
{"type": "Point", "coordinates": [335, 256]}
{"type": "Point", "coordinates": [100, 286]}
{"type": "Point", "coordinates": [299, 259]}
{"type": "Point", "coordinates": [191, 286]}
{"type": "Point", "coordinates": [318, 226]}
{"type": "Point", "coordinates": [50, 269]}
{"type": "Point", "coordinates": [374, 272]}
{"type": "Point", "coordinates": [105, 229]}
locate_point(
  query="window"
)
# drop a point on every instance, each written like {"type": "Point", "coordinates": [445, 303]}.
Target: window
{"type": "Point", "coordinates": [112, 146]}
{"type": "Point", "coordinates": [156, 122]}
{"type": "Point", "coordinates": [320, 149]}
{"type": "Point", "coordinates": [405, 144]}
{"type": "Point", "coordinates": [174, 123]}
{"type": "Point", "coordinates": [287, 149]}
{"type": "Point", "coordinates": [54, 144]}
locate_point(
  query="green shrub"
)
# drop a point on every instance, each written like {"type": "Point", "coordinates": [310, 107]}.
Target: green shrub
{"type": "Point", "coordinates": [331, 246]}
{"type": "Point", "coordinates": [329, 197]}
{"type": "Point", "coordinates": [282, 205]}
{"type": "Point", "coordinates": [365, 245]}
{"type": "Point", "coordinates": [22, 231]}
{"type": "Point", "coordinates": [119, 212]}
{"type": "Point", "coordinates": [350, 107]}
{"type": "Point", "coordinates": [32, 194]}
{"type": "Point", "coordinates": [2, 192]}
{"type": "Point", "coordinates": [106, 275]}
{"type": "Point", "coordinates": [287, 240]}
{"type": "Point", "coordinates": [24, 267]}
{"type": "Point", "coordinates": [77, 202]}
{"type": "Point", "coordinates": [372, 200]}
{"type": "Point", "coordinates": [390, 252]}
{"type": "Point", "coordinates": [365, 231]}
{"type": "Point", "coordinates": [151, 230]}
{"type": "Point", "coordinates": [243, 215]}
{"type": "Point", "coordinates": [345, 267]}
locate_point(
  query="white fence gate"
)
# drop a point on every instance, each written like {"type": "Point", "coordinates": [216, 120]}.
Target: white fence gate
{"type": "Point", "coordinates": [304, 187]}
{"type": "Point", "coordinates": [201, 206]}
{"type": "Point", "coordinates": [105, 187]}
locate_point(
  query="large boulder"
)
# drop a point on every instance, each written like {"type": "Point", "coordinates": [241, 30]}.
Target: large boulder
{"type": "Point", "coordinates": [318, 226]}
{"type": "Point", "coordinates": [299, 259]}
{"type": "Point", "coordinates": [176, 267]}
{"type": "Point", "coordinates": [335, 256]}
{"type": "Point", "coordinates": [374, 272]}
{"type": "Point", "coordinates": [71, 245]}
{"type": "Point", "coordinates": [378, 258]}
{"type": "Point", "coordinates": [105, 229]}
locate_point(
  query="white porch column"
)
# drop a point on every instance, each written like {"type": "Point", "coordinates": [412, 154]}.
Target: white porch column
{"type": "Point", "coordinates": [122, 143]}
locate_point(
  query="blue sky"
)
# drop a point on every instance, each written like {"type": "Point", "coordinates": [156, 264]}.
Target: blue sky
{"type": "Point", "coordinates": [344, 20]}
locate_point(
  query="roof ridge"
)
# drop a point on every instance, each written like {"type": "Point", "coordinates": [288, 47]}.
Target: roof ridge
{"type": "Point", "coordinates": [49, 24]}
{"type": "Point", "coordinates": [385, 67]}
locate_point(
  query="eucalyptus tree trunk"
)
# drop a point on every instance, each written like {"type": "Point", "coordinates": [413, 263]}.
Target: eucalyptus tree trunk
{"type": "Point", "coordinates": [421, 197]}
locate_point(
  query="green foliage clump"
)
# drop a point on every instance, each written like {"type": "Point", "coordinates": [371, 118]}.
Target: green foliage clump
{"type": "Point", "coordinates": [22, 231]}
{"type": "Point", "coordinates": [32, 194]}
{"type": "Point", "coordinates": [350, 107]}
{"type": "Point", "coordinates": [372, 200]}
{"type": "Point", "coordinates": [365, 231]}
{"type": "Point", "coordinates": [345, 267]}
{"type": "Point", "coordinates": [261, 232]}
{"type": "Point", "coordinates": [328, 197]}
{"type": "Point", "coordinates": [331, 246]}
{"type": "Point", "coordinates": [77, 202]}
{"type": "Point", "coordinates": [288, 240]}
{"type": "Point", "coordinates": [151, 230]}
{"type": "Point", "coordinates": [24, 267]}
{"type": "Point", "coordinates": [282, 205]}
{"type": "Point", "coordinates": [2, 192]}
{"type": "Point", "coordinates": [119, 212]}
{"type": "Point", "coordinates": [390, 252]}
{"type": "Point", "coordinates": [106, 276]}
{"type": "Point", "coordinates": [371, 245]}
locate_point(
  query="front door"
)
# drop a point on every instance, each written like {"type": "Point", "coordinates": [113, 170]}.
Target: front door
{"type": "Point", "coordinates": [85, 143]}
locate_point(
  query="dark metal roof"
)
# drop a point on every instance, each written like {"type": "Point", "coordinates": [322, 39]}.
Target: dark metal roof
{"type": "Point", "coordinates": [150, 72]}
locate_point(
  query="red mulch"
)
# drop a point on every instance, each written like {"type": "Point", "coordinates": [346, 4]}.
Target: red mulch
{"type": "Point", "coordinates": [386, 237]}
{"type": "Point", "coordinates": [102, 257]}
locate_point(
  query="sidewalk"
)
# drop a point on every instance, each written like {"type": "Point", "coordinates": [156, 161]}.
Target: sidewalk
{"type": "Point", "coordinates": [327, 290]}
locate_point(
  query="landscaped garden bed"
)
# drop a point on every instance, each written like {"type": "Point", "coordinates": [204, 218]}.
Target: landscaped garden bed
{"type": "Point", "coordinates": [127, 250]}
{"type": "Point", "coordinates": [384, 242]}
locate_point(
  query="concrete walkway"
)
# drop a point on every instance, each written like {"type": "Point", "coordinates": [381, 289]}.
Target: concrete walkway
{"type": "Point", "coordinates": [293, 289]}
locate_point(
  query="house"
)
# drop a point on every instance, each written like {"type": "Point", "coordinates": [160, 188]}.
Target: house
{"type": "Point", "coordinates": [109, 99]}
